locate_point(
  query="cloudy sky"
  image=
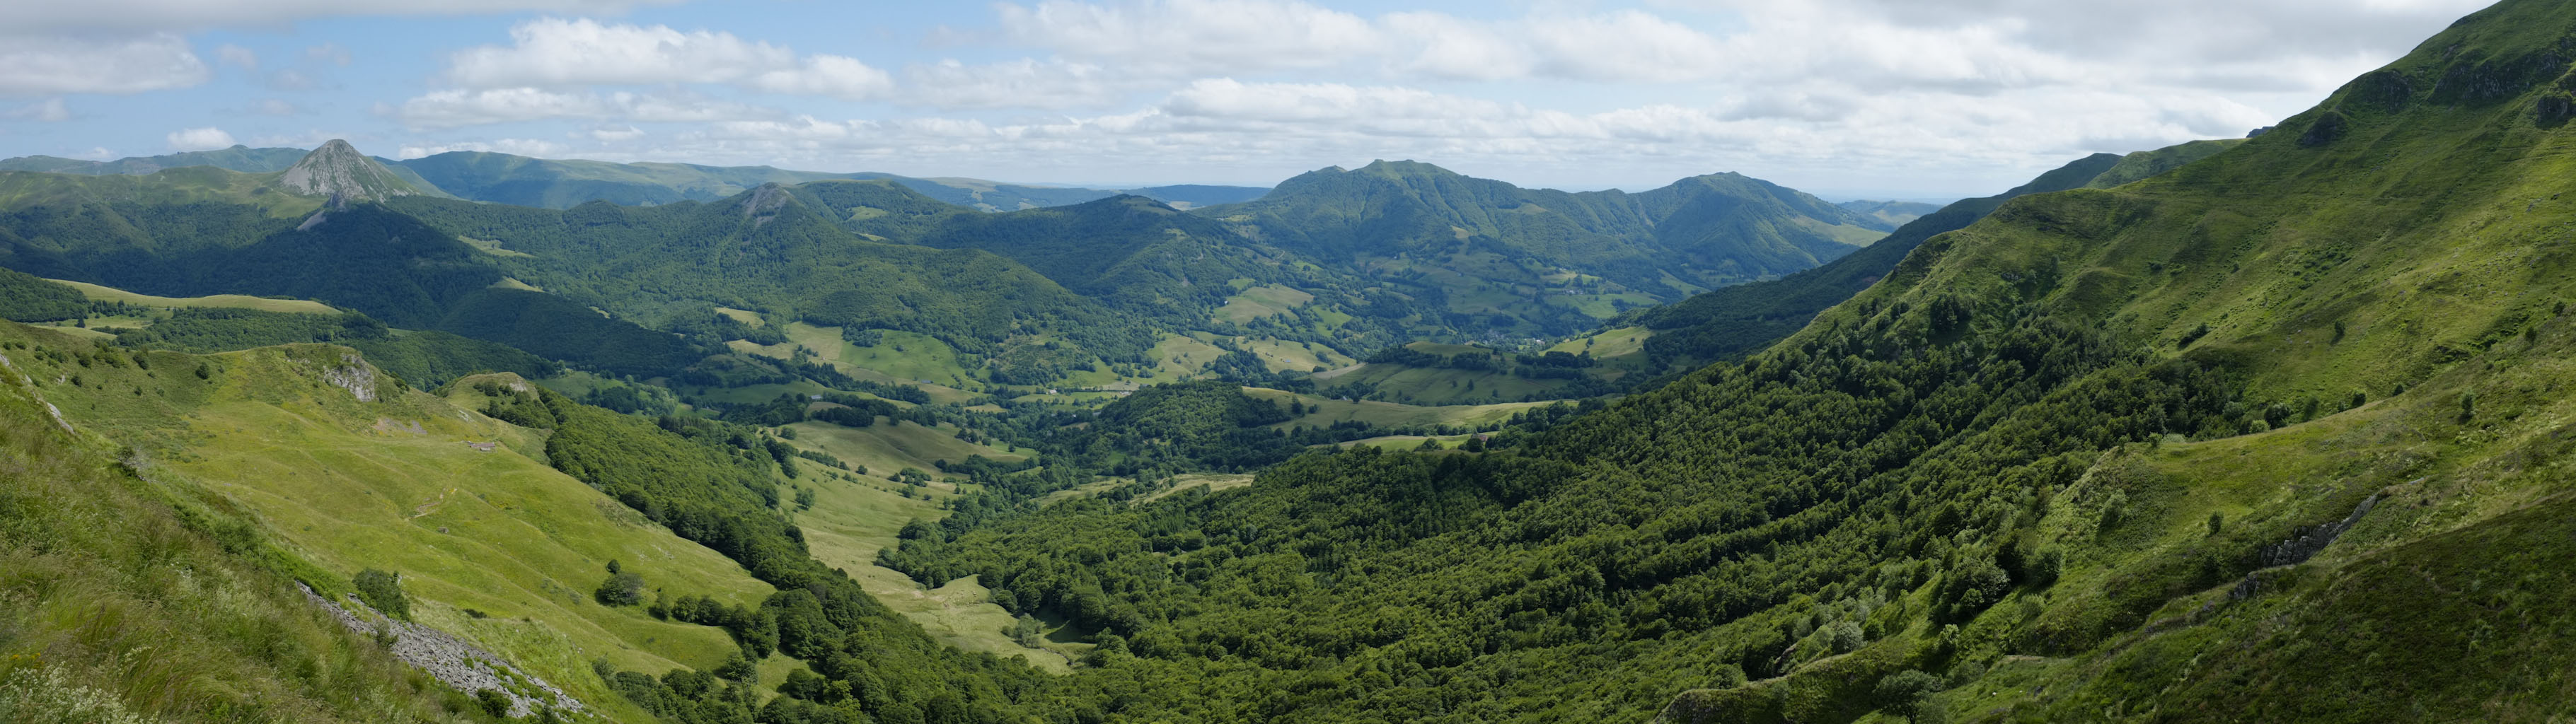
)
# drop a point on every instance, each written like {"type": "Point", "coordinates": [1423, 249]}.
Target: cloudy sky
{"type": "Point", "coordinates": [1844, 98]}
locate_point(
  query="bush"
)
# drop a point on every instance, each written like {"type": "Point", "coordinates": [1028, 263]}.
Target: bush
{"type": "Point", "coordinates": [493, 701]}
{"type": "Point", "coordinates": [1904, 693]}
{"type": "Point", "coordinates": [621, 589]}
{"type": "Point", "coordinates": [383, 591]}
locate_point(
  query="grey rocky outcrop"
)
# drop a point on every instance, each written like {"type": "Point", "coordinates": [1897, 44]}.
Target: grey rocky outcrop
{"type": "Point", "coordinates": [337, 170]}
{"type": "Point", "coordinates": [460, 665]}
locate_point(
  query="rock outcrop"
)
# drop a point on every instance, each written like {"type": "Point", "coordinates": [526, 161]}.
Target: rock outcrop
{"type": "Point", "coordinates": [337, 170]}
{"type": "Point", "coordinates": [449, 659]}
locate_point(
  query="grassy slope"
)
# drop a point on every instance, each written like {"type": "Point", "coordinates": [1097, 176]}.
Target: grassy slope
{"type": "Point", "coordinates": [351, 486]}
{"type": "Point", "coordinates": [231, 301]}
{"type": "Point", "coordinates": [128, 590]}
{"type": "Point", "coordinates": [1389, 414]}
{"type": "Point", "coordinates": [2426, 219]}
{"type": "Point", "coordinates": [855, 516]}
{"type": "Point", "coordinates": [1438, 386]}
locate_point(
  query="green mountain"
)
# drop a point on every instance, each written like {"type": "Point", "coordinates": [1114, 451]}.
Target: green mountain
{"type": "Point", "coordinates": [238, 158]}
{"type": "Point", "coordinates": [339, 172]}
{"type": "Point", "coordinates": [1131, 251]}
{"type": "Point", "coordinates": [2263, 437]}
{"type": "Point", "coordinates": [1510, 262]}
{"type": "Point", "coordinates": [1731, 322]}
{"type": "Point", "coordinates": [769, 250]}
{"type": "Point", "coordinates": [2273, 434]}
{"type": "Point", "coordinates": [1186, 196]}
{"type": "Point", "coordinates": [1891, 212]}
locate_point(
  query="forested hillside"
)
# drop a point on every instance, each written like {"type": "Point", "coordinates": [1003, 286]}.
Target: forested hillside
{"type": "Point", "coordinates": [2270, 429]}
{"type": "Point", "coordinates": [1502, 261]}
{"type": "Point", "coordinates": [1734, 321]}
{"type": "Point", "coordinates": [2048, 465]}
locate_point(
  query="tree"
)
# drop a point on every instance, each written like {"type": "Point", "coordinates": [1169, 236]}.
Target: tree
{"type": "Point", "coordinates": [383, 591]}
{"type": "Point", "coordinates": [736, 667]}
{"type": "Point", "coordinates": [1907, 693]}
{"type": "Point", "coordinates": [621, 589]}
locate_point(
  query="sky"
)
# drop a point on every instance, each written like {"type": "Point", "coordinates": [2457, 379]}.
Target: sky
{"type": "Point", "coordinates": [1907, 99]}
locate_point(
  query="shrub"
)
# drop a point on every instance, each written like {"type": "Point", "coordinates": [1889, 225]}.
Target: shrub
{"type": "Point", "coordinates": [383, 591]}
{"type": "Point", "coordinates": [1905, 693]}
{"type": "Point", "coordinates": [621, 589]}
{"type": "Point", "coordinates": [493, 701]}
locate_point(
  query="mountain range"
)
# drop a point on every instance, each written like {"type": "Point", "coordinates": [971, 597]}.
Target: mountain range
{"type": "Point", "coordinates": [523, 181]}
{"type": "Point", "coordinates": [2272, 429]}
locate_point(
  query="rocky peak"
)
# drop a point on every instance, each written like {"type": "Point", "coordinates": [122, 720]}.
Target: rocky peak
{"type": "Point", "coordinates": [339, 171]}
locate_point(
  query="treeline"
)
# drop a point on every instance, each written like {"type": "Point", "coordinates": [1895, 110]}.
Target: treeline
{"type": "Point", "coordinates": [28, 298]}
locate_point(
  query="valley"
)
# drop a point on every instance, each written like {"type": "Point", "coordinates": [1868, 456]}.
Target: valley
{"type": "Point", "coordinates": [2271, 428]}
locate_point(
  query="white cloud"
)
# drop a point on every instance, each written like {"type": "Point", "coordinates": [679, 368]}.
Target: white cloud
{"type": "Point", "coordinates": [513, 146]}
{"type": "Point", "coordinates": [1024, 83]}
{"type": "Point", "coordinates": [51, 110]}
{"type": "Point", "coordinates": [200, 139]}
{"type": "Point", "coordinates": [559, 53]}
{"type": "Point", "coordinates": [1196, 35]}
{"type": "Point", "coordinates": [826, 75]}
{"type": "Point", "coordinates": [618, 134]}
{"type": "Point", "coordinates": [237, 56]}
{"type": "Point", "coordinates": [32, 65]}
{"type": "Point", "coordinates": [274, 107]}
{"type": "Point", "coordinates": [457, 108]}
{"type": "Point", "coordinates": [198, 14]}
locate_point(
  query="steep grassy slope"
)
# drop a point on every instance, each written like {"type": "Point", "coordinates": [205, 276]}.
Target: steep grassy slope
{"type": "Point", "coordinates": [2403, 237]}
{"type": "Point", "coordinates": [133, 592]}
{"type": "Point", "coordinates": [392, 484]}
{"type": "Point", "coordinates": [1736, 320]}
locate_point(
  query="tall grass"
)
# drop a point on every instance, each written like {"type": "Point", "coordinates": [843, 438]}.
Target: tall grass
{"type": "Point", "coordinates": [128, 597]}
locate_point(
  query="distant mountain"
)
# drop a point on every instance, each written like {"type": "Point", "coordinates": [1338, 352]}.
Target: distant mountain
{"type": "Point", "coordinates": [1503, 261]}
{"type": "Point", "coordinates": [1134, 254]}
{"type": "Point", "coordinates": [238, 158]}
{"type": "Point", "coordinates": [776, 250]}
{"type": "Point", "coordinates": [561, 184]}
{"type": "Point", "coordinates": [1194, 195]}
{"type": "Point", "coordinates": [338, 171]}
{"type": "Point", "coordinates": [1891, 212]}
{"type": "Point", "coordinates": [1737, 320]}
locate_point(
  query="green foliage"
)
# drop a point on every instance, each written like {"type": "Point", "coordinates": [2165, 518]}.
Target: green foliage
{"type": "Point", "coordinates": [383, 591]}
{"type": "Point", "coordinates": [26, 298]}
{"type": "Point", "coordinates": [493, 702]}
{"type": "Point", "coordinates": [1904, 693]}
{"type": "Point", "coordinates": [1735, 321]}
{"type": "Point", "coordinates": [135, 595]}
{"type": "Point", "coordinates": [1487, 239]}
{"type": "Point", "coordinates": [426, 358]}
{"type": "Point", "coordinates": [621, 589]}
